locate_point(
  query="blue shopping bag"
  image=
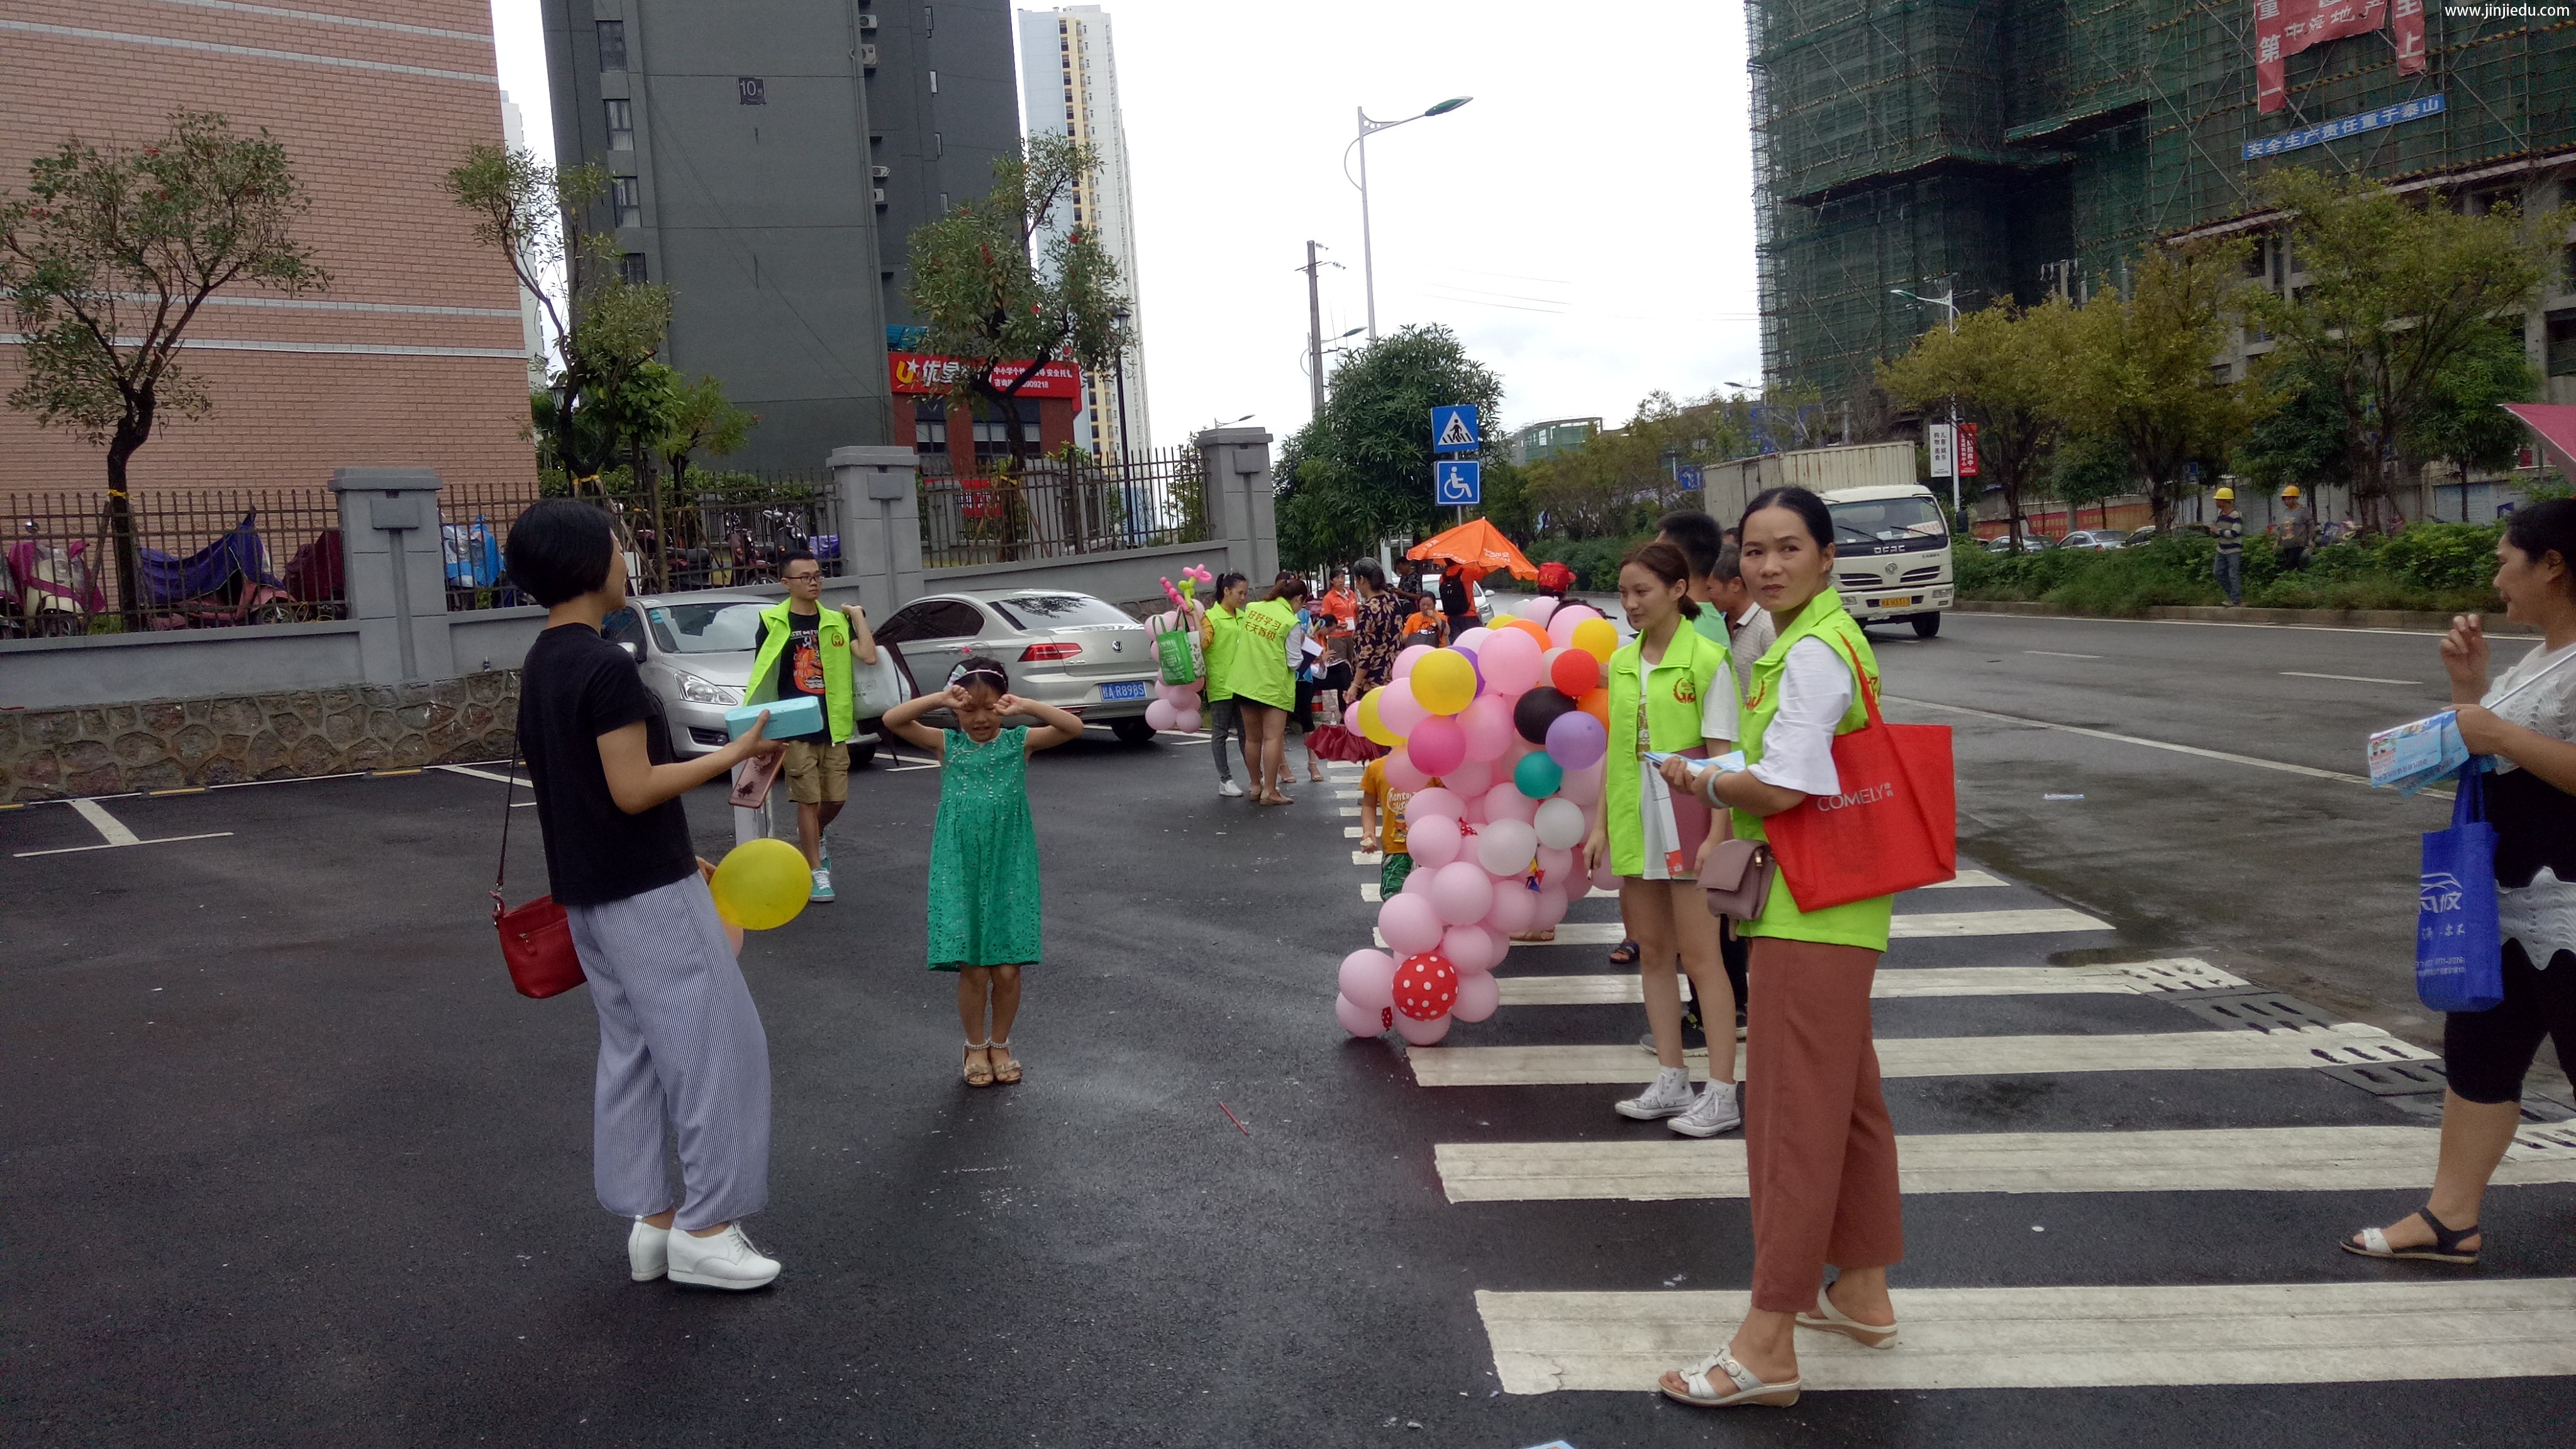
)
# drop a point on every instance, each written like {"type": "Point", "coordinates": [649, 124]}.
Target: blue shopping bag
{"type": "Point", "coordinates": [2459, 953]}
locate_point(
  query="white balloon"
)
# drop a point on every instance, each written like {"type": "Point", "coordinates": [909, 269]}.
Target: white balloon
{"type": "Point", "coordinates": [1559, 824]}
{"type": "Point", "coordinates": [1504, 847]}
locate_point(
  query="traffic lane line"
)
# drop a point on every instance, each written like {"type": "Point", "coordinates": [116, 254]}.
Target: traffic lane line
{"type": "Point", "coordinates": [114, 833]}
{"type": "Point", "coordinates": [1940, 926]}
{"type": "Point", "coordinates": [2348, 1044]}
{"type": "Point", "coordinates": [2283, 766]}
{"type": "Point", "coordinates": [2346, 678]}
{"type": "Point", "coordinates": [2137, 978]}
{"type": "Point", "coordinates": [2060, 654]}
{"type": "Point", "coordinates": [2067, 1337]}
{"type": "Point", "coordinates": [2235, 1159]}
{"type": "Point", "coordinates": [118, 845]}
{"type": "Point", "coordinates": [105, 824]}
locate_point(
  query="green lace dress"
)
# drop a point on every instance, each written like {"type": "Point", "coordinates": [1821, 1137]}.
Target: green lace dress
{"type": "Point", "coordinates": [984, 856]}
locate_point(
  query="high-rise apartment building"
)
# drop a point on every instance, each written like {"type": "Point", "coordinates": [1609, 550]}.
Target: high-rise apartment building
{"type": "Point", "coordinates": [1069, 85]}
{"type": "Point", "coordinates": [769, 161]}
{"type": "Point", "coordinates": [413, 355]}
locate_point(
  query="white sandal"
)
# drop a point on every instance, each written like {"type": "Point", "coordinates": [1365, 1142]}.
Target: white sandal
{"type": "Point", "coordinates": [1829, 1319]}
{"type": "Point", "coordinates": [1748, 1389]}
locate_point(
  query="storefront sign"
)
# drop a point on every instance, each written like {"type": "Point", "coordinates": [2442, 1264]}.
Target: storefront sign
{"type": "Point", "coordinates": [928, 374]}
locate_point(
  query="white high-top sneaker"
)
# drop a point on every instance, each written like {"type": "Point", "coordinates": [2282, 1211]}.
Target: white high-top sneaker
{"type": "Point", "coordinates": [1670, 1096]}
{"type": "Point", "coordinates": [726, 1260]}
{"type": "Point", "coordinates": [1716, 1111]}
{"type": "Point", "coordinates": [648, 1254]}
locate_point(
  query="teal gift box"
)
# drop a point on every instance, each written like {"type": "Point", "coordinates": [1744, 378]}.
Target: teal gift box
{"type": "Point", "coordinates": [788, 718]}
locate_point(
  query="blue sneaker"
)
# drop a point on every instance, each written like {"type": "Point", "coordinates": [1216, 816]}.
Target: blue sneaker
{"type": "Point", "coordinates": [822, 886]}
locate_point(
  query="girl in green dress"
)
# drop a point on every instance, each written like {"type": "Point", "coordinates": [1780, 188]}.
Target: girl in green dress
{"type": "Point", "coordinates": [984, 922]}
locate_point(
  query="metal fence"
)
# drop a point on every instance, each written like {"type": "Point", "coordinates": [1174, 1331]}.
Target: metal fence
{"type": "Point", "coordinates": [177, 559]}
{"type": "Point", "coordinates": [735, 530]}
{"type": "Point", "coordinates": [1056, 509]}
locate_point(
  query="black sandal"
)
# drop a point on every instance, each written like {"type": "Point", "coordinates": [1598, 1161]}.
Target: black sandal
{"type": "Point", "coordinates": [1624, 954]}
{"type": "Point", "coordinates": [2445, 1248]}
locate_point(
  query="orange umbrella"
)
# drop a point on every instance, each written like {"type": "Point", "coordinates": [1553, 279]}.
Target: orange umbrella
{"type": "Point", "coordinates": [1478, 548]}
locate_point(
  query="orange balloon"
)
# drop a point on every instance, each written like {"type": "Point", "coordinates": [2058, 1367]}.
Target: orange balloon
{"type": "Point", "coordinates": [1532, 630]}
{"type": "Point", "coordinates": [1597, 705]}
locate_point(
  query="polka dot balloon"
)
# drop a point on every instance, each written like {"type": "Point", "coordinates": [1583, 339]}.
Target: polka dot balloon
{"type": "Point", "coordinates": [1426, 986]}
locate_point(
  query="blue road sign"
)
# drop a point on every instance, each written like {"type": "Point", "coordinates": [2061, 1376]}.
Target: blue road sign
{"type": "Point", "coordinates": [1458, 485]}
{"type": "Point", "coordinates": [1688, 476]}
{"type": "Point", "coordinates": [1454, 429]}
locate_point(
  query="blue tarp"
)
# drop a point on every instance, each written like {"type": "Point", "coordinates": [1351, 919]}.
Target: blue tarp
{"type": "Point", "coordinates": [169, 579]}
{"type": "Point", "coordinates": [473, 554]}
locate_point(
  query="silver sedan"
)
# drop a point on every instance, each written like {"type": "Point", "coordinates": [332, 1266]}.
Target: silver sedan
{"type": "Point", "coordinates": [695, 652]}
{"type": "Point", "coordinates": [1069, 650]}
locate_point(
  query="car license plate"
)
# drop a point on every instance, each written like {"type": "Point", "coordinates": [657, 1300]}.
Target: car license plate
{"type": "Point", "coordinates": [1899, 602]}
{"type": "Point", "coordinates": [1123, 689]}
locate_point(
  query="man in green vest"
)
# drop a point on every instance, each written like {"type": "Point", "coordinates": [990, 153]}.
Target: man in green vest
{"type": "Point", "coordinates": [805, 649]}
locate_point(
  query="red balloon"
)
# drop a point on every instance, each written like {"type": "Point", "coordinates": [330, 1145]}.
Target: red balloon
{"type": "Point", "coordinates": [1426, 986]}
{"type": "Point", "coordinates": [1575, 674]}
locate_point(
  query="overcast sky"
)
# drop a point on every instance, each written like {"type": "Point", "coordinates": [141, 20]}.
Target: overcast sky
{"type": "Point", "coordinates": [1586, 225]}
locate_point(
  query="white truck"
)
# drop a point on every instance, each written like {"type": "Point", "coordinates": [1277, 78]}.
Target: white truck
{"type": "Point", "coordinates": [1891, 541]}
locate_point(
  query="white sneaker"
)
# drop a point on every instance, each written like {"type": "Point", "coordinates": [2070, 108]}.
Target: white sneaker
{"type": "Point", "coordinates": [1229, 789]}
{"type": "Point", "coordinates": [1670, 1096]}
{"type": "Point", "coordinates": [1716, 1111]}
{"type": "Point", "coordinates": [727, 1260]}
{"type": "Point", "coordinates": [822, 885]}
{"type": "Point", "coordinates": [648, 1251]}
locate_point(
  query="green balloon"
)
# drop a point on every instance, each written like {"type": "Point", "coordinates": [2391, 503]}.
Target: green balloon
{"type": "Point", "coordinates": [1537, 776]}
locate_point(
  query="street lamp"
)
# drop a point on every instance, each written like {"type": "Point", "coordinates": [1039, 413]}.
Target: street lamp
{"type": "Point", "coordinates": [1122, 314]}
{"type": "Point", "coordinates": [1368, 128]}
{"type": "Point", "coordinates": [1949, 301]}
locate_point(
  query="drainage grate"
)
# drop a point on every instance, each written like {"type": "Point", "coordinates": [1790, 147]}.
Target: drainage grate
{"type": "Point", "coordinates": [2180, 973]}
{"type": "Point", "coordinates": [2391, 1079]}
{"type": "Point", "coordinates": [2259, 1011]}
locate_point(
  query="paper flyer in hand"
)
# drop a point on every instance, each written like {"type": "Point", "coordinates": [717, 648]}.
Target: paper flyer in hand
{"type": "Point", "coordinates": [2418, 753]}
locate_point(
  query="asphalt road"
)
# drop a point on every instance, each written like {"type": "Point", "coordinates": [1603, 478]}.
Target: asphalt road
{"type": "Point", "coordinates": [287, 1163]}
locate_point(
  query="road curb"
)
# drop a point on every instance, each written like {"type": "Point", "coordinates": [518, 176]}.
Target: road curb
{"type": "Point", "coordinates": [2496, 624]}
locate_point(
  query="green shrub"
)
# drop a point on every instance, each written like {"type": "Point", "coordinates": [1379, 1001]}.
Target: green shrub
{"type": "Point", "coordinates": [2433, 567]}
{"type": "Point", "coordinates": [2125, 583]}
{"type": "Point", "coordinates": [2444, 557]}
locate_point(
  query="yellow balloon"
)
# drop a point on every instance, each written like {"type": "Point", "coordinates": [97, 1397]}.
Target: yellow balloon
{"type": "Point", "coordinates": [1598, 638]}
{"type": "Point", "coordinates": [762, 884]}
{"type": "Point", "coordinates": [1372, 724]}
{"type": "Point", "coordinates": [1443, 681]}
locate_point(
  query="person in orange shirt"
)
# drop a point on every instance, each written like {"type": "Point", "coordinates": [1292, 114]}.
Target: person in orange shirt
{"type": "Point", "coordinates": [1338, 608]}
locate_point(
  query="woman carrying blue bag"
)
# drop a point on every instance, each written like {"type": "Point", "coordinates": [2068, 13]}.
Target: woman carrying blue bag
{"type": "Point", "coordinates": [2526, 721]}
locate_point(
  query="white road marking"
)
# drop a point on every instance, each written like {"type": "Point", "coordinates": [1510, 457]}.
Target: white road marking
{"type": "Point", "coordinates": [1350, 832]}
{"type": "Point", "coordinates": [1371, 893]}
{"type": "Point", "coordinates": [1367, 857]}
{"type": "Point", "coordinates": [1350, 812]}
{"type": "Point", "coordinates": [2225, 624]}
{"type": "Point", "coordinates": [1346, 794]}
{"type": "Point", "coordinates": [120, 844]}
{"type": "Point", "coordinates": [2346, 678]}
{"type": "Point", "coordinates": [1965, 880]}
{"type": "Point", "coordinates": [2258, 1159]}
{"type": "Point", "coordinates": [107, 825]}
{"type": "Point", "coordinates": [2281, 765]}
{"type": "Point", "coordinates": [496, 779]}
{"type": "Point", "coordinates": [2060, 654]}
{"type": "Point", "coordinates": [1903, 928]}
{"type": "Point", "coordinates": [2135, 978]}
{"type": "Point", "coordinates": [2067, 1337]}
{"type": "Point", "coordinates": [2347, 1044]}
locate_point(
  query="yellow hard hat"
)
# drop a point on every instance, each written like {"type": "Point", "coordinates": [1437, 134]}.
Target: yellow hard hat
{"type": "Point", "coordinates": [2225, 495]}
{"type": "Point", "coordinates": [2290, 492]}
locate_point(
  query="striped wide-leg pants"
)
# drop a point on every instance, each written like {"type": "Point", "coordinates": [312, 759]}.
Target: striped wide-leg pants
{"type": "Point", "coordinates": [681, 1052]}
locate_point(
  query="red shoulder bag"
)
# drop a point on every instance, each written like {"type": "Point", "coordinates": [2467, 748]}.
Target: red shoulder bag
{"type": "Point", "coordinates": [536, 938]}
{"type": "Point", "coordinates": [1894, 827]}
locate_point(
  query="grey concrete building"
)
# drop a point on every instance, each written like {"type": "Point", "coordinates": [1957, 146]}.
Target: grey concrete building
{"type": "Point", "coordinates": [771, 159]}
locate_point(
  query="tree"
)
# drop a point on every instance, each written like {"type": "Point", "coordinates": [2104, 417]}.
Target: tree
{"type": "Point", "coordinates": [2301, 440]}
{"type": "Point", "coordinates": [702, 421]}
{"type": "Point", "coordinates": [1622, 477]}
{"type": "Point", "coordinates": [107, 260]}
{"type": "Point", "coordinates": [991, 299]}
{"type": "Point", "coordinates": [2088, 467]}
{"type": "Point", "coordinates": [1359, 472]}
{"type": "Point", "coordinates": [537, 218]}
{"type": "Point", "coordinates": [2464, 423]}
{"type": "Point", "coordinates": [2141, 372]}
{"type": "Point", "coordinates": [2007, 368]}
{"type": "Point", "coordinates": [2400, 292]}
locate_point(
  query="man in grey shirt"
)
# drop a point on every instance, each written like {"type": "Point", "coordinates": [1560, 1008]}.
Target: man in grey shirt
{"type": "Point", "coordinates": [1749, 630]}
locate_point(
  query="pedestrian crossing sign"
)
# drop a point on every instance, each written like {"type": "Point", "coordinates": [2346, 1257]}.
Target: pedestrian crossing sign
{"type": "Point", "coordinates": [1457, 485]}
{"type": "Point", "coordinates": [1454, 429]}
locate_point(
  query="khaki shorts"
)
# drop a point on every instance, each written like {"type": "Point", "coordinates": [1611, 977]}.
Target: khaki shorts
{"type": "Point", "coordinates": [816, 773]}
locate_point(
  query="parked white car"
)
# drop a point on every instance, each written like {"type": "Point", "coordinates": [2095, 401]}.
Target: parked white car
{"type": "Point", "coordinates": [695, 651]}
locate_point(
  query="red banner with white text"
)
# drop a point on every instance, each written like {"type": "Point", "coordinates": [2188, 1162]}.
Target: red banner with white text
{"type": "Point", "coordinates": [2283, 28]}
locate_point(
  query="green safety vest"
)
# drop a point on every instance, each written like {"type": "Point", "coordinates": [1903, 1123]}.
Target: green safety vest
{"type": "Point", "coordinates": [840, 698]}
{"type": "Point", "coordinates": [1676, 693]}
{"type": "Point", "coordinates": [1224, 633]}
{"type": "Point", "coordinates": [1860, 923]}
{"type": "Point", "coordinates": [1259, 670]}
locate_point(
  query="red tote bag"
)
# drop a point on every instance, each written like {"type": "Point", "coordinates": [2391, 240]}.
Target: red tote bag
{"type": "Point", "coordinates": [1894, 827]}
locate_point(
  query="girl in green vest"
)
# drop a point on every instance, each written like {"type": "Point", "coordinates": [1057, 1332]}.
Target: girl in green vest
{"type": "Point", "coordinates": [1265, 685]}
{"type": "Point", "coordinates": [1671, 690]}
{"type": "Point", "coordinates": [1820, 1153]}
{"type": "Point", "coordinates": [1218, 636]}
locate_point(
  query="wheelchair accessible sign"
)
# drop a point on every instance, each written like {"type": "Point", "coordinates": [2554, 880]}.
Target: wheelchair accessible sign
{"type": "Point", "coordinates": [1458, 485]}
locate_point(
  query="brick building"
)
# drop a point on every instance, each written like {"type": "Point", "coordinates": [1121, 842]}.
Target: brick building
{"type": "Point", "coordinates": [414, 355]}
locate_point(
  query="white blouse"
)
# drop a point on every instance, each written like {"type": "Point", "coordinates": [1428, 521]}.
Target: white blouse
{"type": "Point", "coordinates": [1798, 748]}
{"type": "Point", "coordinates": [1661, 834]}
{"type": "Point", "coordinates": [2541, 915]}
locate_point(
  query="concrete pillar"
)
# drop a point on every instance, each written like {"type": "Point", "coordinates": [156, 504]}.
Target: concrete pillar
{"type": "Point", "coordinates": [880, 502]}
{"type": "Point", "coordinates": [1240, 506]}
{"type": "Point", "coordinates": [397, 572]}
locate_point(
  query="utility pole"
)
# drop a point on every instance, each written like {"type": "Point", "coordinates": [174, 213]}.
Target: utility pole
{"type": "Point", "coordinates": [1314, 328]}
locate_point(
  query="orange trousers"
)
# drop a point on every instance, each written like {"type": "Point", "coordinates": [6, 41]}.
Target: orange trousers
{"type": "Point", "coordinates": [1818, 1145]}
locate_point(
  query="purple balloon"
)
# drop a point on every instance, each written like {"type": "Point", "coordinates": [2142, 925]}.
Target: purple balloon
{"type": "Point", "coordinates": [1576, 740]}
{"type": "Point", "coordinates": [1477, 664]}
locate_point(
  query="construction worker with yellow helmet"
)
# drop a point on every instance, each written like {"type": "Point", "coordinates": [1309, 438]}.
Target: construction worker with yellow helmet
{"type": "Point", "coordinates": [2297, 531]}
{"type": "Point", "coordinates": [2229, 528]}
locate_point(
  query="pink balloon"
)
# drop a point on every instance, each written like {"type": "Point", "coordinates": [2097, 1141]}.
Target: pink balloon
{"type": "Point", "coordinates": [1487, 723]}
{"type": "Point", "coordinates": [1410, 656]}
{"type": "Point", "coordinates": [1401, 776]}
{"type": "Point", "coordinates": [1399, 710]}
{"type": "Point", "coordinates": [1433, 802]}
{"type": "Point", "coordinates": [1557, 865]}
{"type": "Point", "coordinates": [1422, 1033]}
{"type": "Point", "coordinates": [1550, 910]}
{"type": "Point", "coordinates": [1434, 841]}
{"type": "Point", "coordinates": [1409, 924]}
{"type": "Point", "coordinates": [1473, 639]}
{"type": "Point", "coordinates": [1359, 1020]}
{"type": "Point", "coordinates": [1470, 780]}
{"type": "Point", "coordinates": [1171, 694]}
{"type": "Point", "coordinates": [1472, 949]}
{"type": "Point", "coordinates": [1478, 994]}
{"type": "Point", "coordinates": [1514, 904]}
{"type": "Point", "coordinates": [1576, 740]}
{"type": "Point", "coordinates": [1604, 878]}
{"type": "Point", "coordinates": [1474, 814]}
{"type": "Point", "coordinates": [1161, 715]}
{"type": "Point", "coordinates": [1438, 746]}
{"type": "Point", "coordinates": [1506, 802]}
{"type": "Point", "coordinates": [1583, 786]}
{"type": "Point", "coordinates": [1461, 892]}
{"type": "Point", "coordinates": [1560, 625]}
{"type": "Point", "coordinates": [1418, 883]}
{"type": "Point", "coordinates": [1511, 662]}
{"type": "Point", "coordinates": [1536, 610]}
{"type": "Point", "coordinates": [1187, 721]}
{"type": "Point", "coordinates": [1505, 847]}
{"type": "Point", "coordinates": [1368, 979]}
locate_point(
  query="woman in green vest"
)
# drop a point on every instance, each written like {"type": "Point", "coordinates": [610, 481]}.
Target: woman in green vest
{"type": "Point", "coordinates": [1820, 1153]}
{"type": "Point", "coordinates": [1265, 685]}
{"type": "Point", "coordinates": [1671, 691]}
{"type": "Point", "coordinates": [1218, 636]}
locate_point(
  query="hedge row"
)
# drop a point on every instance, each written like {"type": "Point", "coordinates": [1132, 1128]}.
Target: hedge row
{"type": "Point", "coordinates": [2430, 566]}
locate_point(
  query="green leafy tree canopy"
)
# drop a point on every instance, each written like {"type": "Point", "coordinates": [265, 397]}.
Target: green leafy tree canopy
{"type": "Point", "coordinates": [1359, 472]}
{"type": "Point", "coordinates": [2142, 366]}
{"type": "Point", "coordinates": [2008, 369]}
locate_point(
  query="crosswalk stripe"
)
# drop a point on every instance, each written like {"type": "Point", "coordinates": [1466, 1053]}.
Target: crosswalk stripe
{"type": "Point", "coordinates": [1965, 880]}
{"type": "Point", "coordinates": [2131, 978]}
{"type": "Point", "coordinates": [2067, 1337]}
{"type": "Point", "coordinates": [1904, 928]}
{"type": "Point", "coordinates": [2348, 1044]}
{"type": "Point", "coordinates": [1367, 857]}
{"type": "Point", "coordinates": [2257, 1159]}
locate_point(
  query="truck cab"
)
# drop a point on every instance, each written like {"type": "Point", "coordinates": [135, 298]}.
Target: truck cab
{"type": "Point", "coordinates": [1892, 555]}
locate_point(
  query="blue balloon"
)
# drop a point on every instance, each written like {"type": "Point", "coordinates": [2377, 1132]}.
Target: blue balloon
{"type": "Point", "coordinates": [1537, 776]}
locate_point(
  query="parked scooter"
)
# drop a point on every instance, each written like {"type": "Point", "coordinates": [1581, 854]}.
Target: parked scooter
{"type": "Point", "coordinates": [227, 582]}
